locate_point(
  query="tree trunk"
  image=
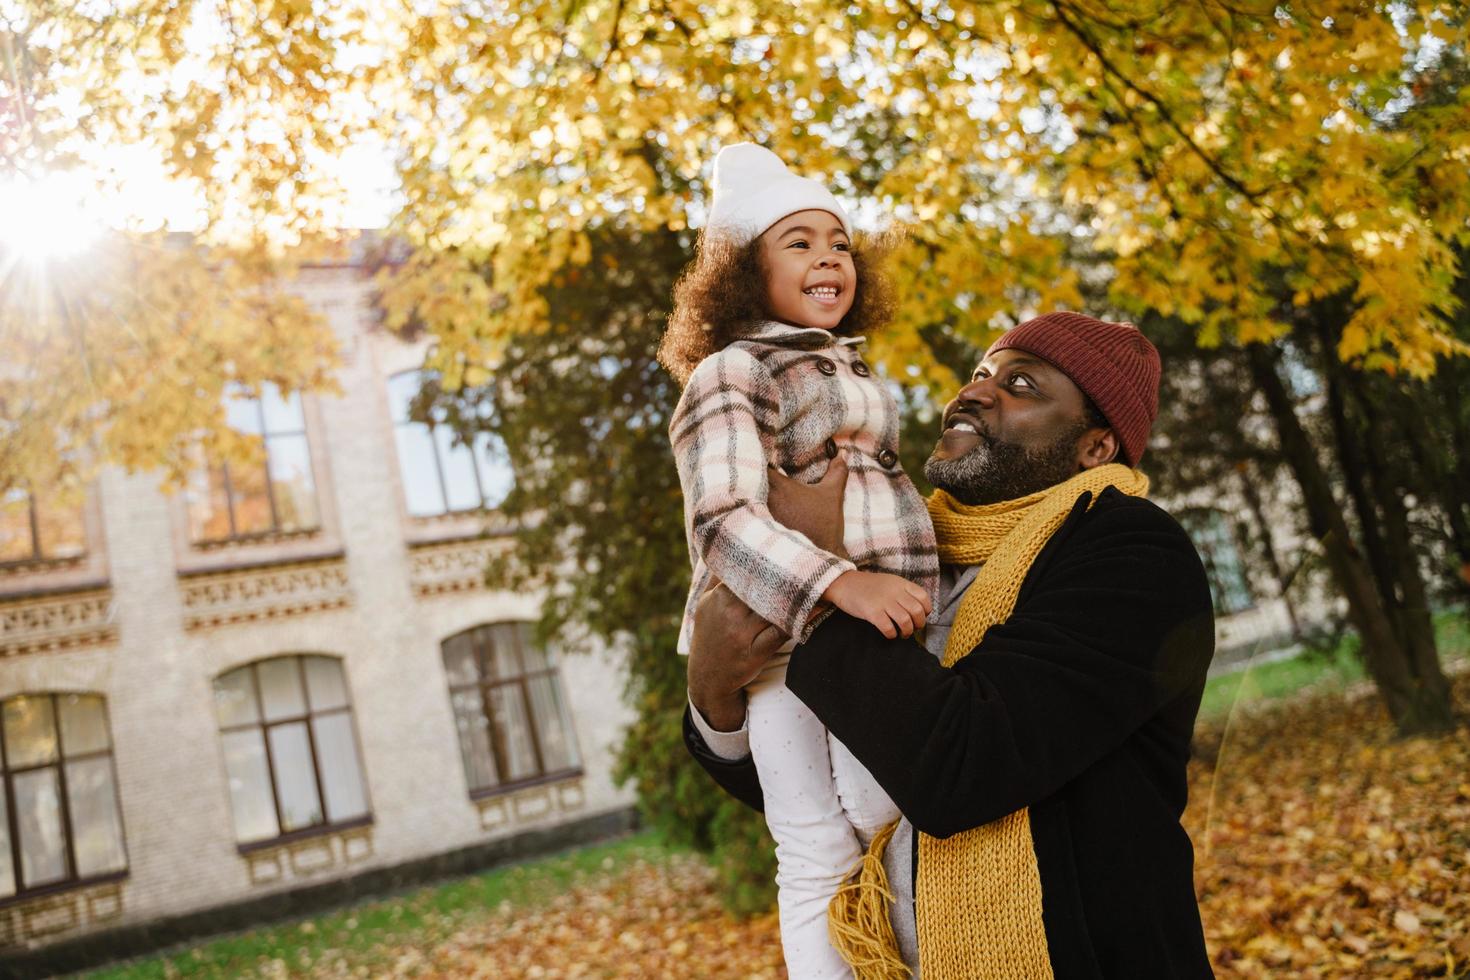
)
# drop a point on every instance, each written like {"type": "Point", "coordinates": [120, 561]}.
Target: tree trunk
{"type": "Point", "coordinates": [1441, 453]}
{"type": "Point", "coordinates": [1405, 596]}
{"type": "Point", "coordinates": [1355, 477]}
{"type": "Point", "coordinates": [1263, 524]}
{"type": "Point", "coordinates": [1411, 705]}
{"type": "Point", "coordinates": [1432, 706]}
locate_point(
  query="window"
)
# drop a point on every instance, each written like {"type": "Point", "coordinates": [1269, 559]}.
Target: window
{"type": "Point", "coordinates": [43, 529]}
{"type": "Point", "coordinates": [1211, 533]}
{"type": "Point", "coordinates": [441, 476]}
{"type": "Point", "coordinates": [229, 501]}
{"type": "Point", "coordinates": [508, 708]}
{"type": "Point", "coordinates": [62, 822]}
{"type": "Point", "coordinates": [290, 748]}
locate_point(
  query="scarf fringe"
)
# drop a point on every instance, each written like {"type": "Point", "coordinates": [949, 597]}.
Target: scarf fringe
{"type": "Point", "coordinates": [857, 917]}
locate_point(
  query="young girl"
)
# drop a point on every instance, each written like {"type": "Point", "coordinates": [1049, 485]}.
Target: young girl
{"type": "Point", "coordinates": [765, 338]}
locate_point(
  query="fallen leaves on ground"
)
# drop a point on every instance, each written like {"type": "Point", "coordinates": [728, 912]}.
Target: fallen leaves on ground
{"type": "Point", "coordinates": [1325, 847]}
{"type": "Point", "coordinates": [649, 920]}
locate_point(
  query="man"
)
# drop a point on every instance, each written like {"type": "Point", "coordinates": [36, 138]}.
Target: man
{"type": "Point", "coordinates": [1039, 762]}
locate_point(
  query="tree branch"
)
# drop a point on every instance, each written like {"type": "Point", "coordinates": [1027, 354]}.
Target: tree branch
{"type": "Point", "coordinates": [1091, 44]}
{"type": "Point", "coordinates": [614, 43]}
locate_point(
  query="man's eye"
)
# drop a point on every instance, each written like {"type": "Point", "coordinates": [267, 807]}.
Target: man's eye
{"type": "Point", "coordinates": [1021, 381]}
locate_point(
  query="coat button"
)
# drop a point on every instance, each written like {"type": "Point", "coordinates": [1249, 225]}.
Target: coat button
{"type": "Point", "coordinates": [831, 448]}
{"type": "Point", "coordinates": [826, 366]}
{"type": "Point", "coordinates": [887, 458]}
{"type": "Point", "coordinates": [860, 369]}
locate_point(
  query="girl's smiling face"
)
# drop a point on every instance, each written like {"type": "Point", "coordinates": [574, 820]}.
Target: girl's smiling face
{"type": "Point", "coordinates": [810, 280]}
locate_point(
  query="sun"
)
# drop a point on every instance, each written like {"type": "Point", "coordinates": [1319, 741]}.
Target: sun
{"type": "Point", "coordinates": [47, 217]}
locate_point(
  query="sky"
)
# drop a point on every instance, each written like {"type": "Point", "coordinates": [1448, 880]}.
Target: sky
{"type": "Point", "coordinates": [62, 213]}
{"type": "Point", "coordinates": [127, 187]}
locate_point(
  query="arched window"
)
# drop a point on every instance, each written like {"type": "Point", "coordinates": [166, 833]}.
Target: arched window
{"type": "Point", "coordinates": [58, 794]}
{"type": "Point", "coordinates": [228, 501]}
{"type": "Point", "coordinates": [440, 475]}
{"type": "Point", "coordinates": [512, 720]}
{"type": "Point", "coordinates": [290, 747]}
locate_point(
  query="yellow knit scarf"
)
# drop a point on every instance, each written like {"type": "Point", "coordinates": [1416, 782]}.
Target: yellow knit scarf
{"type": "Point", "coordinates": [978, 893]}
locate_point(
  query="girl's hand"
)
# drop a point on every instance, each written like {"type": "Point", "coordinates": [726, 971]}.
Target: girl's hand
{"type": "Point", "coordinates": [892, 603]}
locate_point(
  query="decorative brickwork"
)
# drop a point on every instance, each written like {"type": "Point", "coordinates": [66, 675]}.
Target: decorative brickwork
{"type": "Point", "coordinates": [244, 595]}
{"type": "Point", "coordinates": [45, 917]}
{"type": "Point", "coordinates": [333, 851]}
{"type": "Point", "coordinates": [531, 806]}
{"type": "Point", "coordinates": [455, 566]}
{"type": "Point", "coordinates": [40, 624]}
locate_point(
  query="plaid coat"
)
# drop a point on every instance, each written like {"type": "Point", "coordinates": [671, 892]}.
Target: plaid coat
{"type": "Point", "coordinates": [793, 398]}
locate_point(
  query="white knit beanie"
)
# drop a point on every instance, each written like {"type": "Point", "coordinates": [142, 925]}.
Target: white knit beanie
{"type": "Point", "coordinates": [754, 190]}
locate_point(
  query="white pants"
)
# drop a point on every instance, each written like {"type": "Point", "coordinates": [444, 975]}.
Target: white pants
{"type": "Point", "coordinates": [822, 808]}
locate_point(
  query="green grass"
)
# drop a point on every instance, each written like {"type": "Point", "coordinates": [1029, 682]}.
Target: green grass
{"type": "Point", "coordinates": [362, 935]}
{"type": "Point", "coordinates": [1264, 682]}
{"type": "Point", "coordinates": [1452, 630]}
{"type": "Point", "coordinates": [1330, 670]}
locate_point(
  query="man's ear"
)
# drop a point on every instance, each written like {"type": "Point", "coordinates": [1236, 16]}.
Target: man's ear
{"type": "Point", "coordinates": [1095, 447]}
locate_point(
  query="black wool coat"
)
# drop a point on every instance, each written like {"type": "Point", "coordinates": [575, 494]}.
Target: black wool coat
{"type": "Point", "coordinates": [1081, 706]}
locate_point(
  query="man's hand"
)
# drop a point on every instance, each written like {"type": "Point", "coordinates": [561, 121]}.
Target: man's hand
{"type": "Point", "coordinates": [890, 602]}
{"type": "Point", "coordinates": [729, 648]}
{"type": "Point", "coordinates": [814, 509]}
{"type": "Point", "coordinates": [731, 644]}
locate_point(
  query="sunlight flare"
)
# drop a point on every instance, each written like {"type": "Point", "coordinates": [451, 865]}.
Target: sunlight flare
{"type": "Point", "coordinates": [46, 218]}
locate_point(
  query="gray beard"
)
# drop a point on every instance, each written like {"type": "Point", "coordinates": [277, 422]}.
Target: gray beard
{"type": "Point", "coordinates": [995, 470]}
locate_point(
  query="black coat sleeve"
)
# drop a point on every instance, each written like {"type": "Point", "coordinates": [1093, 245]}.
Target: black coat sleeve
{"type": "Point", "coordinates": [1115, 625]}
{"type": "Point", "coordinates": [736, 777]}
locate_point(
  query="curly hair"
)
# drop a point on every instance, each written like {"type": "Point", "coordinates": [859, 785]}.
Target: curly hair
{"type": "Point", "coordinates": [722, 293]}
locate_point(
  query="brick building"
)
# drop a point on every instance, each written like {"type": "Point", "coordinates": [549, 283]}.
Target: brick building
{"type": "Point", "coordinates": [282, 677]}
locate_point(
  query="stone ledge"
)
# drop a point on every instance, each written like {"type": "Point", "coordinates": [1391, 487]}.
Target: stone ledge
{"type": "Point", "coordinates": [14, 570]}
{"type": "Point", "coordinates": [244, 542]}
{"type": "Point", "coordinates": [129, 941]}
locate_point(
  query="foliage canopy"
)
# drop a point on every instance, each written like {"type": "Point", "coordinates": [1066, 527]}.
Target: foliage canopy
{"type": "Point", "coordinates": [1207, 151]}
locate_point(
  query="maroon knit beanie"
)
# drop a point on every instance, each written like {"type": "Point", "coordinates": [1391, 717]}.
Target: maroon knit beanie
{"type": "Point", "coordinates": [1113, 363]}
